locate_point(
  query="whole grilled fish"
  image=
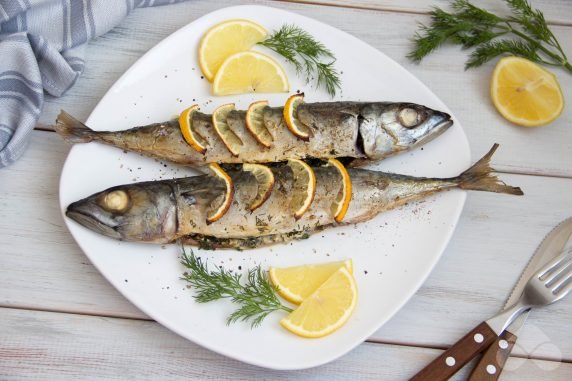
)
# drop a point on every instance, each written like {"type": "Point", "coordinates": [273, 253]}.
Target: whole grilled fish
{"type": "Point", "coordinates": [370, 131]}
{"type": "Point", "coordinates": [169, 210]}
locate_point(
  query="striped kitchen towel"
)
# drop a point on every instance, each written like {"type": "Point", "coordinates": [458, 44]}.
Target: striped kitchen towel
{"type": "Point", "coordinates": [41, 50]}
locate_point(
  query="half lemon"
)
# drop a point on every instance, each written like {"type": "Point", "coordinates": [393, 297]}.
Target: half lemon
{"type": "Point", "coordinates": [525, 93]}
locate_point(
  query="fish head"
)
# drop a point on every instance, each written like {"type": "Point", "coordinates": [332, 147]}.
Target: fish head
{"type": "Point", "coordinates": [389, 128]}
{"type": "Point", "coordinates": [137, 212]}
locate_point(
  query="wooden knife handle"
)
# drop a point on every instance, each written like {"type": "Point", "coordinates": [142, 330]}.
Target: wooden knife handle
{"type": "Point", "coordinates": [492, 362]}
{"type": "Point", "coordinates": [454, 358]}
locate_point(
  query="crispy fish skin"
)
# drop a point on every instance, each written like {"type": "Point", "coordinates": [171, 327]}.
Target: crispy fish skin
{"type": "Point", "coordinates": [367, 131]}
{"type": "Point", "coordinates": [165, 211]}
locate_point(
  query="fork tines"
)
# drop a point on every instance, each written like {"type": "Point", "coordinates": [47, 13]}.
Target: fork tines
{"type": "Point", "coordinates": [557, 275]}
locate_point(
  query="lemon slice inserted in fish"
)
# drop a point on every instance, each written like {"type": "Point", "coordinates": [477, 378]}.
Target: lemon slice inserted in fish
{"type": "Point", "coordinates": [297, 283]}
{"type": "Point", "coordinates": [264, 180]}
{"type": "Point", "coordinates": [291, 117]}
{"type": "Point", "coordinates": [325, 310]}
{"type": "Point", "coordinates": [186, 125]}
{"type": "Point", "coordinates": [303, 188]}
{"type": "Point", "coordinates": [255, 123]}
{"type": "Point", "coordinates": [220, 205]}
{"type": "Point", "coordinates": [225, 39]}
{"type": "Point", "coordinates": [228, 137]}
{"type": "Point", "coordinates": [344, 196]}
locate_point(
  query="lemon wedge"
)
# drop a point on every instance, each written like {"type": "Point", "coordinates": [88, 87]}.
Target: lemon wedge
{"type": "Point", "coordinates": [249, 72]}
{"type": "Point", "coordinates": [297, 283]}
{"type": "Point", "coordinates": [225, 39]}
{"type": "Point", "coordinates": [525, 93]}
{"type": "Point", "coordinates": [327, 309]}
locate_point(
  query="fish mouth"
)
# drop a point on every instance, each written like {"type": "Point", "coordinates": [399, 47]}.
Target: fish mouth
{"type": "Point", "coordinates": [445, 124]}
{"type": "Point", "coordinates": [441, 122]}
{"type": "Point", "coordinates": [86, 219]}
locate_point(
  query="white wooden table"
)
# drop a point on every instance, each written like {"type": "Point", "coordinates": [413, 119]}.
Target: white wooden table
{"type": "Point", "coordinates": [59, 319]}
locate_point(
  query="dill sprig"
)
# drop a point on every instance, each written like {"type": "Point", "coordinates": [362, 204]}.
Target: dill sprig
{"type": "Point", "coordinates": [473, 27]}
{"type": "Point", "coordinates": [309, 56]}
{"type": "Point", "coordinates": [256, 297]}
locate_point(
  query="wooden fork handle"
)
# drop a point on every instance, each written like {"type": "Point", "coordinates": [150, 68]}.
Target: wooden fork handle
{"type": "Point", "coordinates": [454, 358]}
{"type": "Point", "coordinates": [491, 364]}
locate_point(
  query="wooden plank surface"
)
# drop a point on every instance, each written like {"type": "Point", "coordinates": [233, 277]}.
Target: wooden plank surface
{"type": "Point", "coordinates": [524, 150]}
{"type": "Point", "coordinates": [56, 346]}
{"type": "Point", "coordinates": [41, 265]}
{"type": "Point", "coordinates": [555, 11]}
{"type": "Point", "coordinates": [463, 289]}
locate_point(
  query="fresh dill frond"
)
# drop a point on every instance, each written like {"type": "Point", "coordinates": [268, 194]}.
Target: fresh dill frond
{"type": "Point", "coordinates": [490, 50]}
{"type": "Point", "coordinates": [310, 57]}
{"type": "Point", "coordinates": [209, 285]}
{"type": "Point", "coordinates": [473, 27]}
{"type": "Point", "coordinates": [256, 297]}
{"type": "Point", "coordinates": [531, 20]}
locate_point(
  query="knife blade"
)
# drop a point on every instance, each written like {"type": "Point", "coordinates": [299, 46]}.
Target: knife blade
{"type": "Point", "coordinates": [491, 364]}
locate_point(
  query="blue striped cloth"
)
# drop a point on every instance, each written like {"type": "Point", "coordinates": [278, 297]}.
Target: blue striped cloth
{"type": "Point", "coordinates": [41, 50]}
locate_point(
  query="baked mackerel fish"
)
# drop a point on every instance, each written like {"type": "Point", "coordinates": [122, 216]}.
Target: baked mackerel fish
{"type": "Point", "coordinates": [177, 209]}
{"type": "Point", "coordinates": [368, 131]}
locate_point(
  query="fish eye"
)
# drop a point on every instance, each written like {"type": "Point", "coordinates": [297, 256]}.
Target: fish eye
{"type": "Point", "coordinates": [116, 201]}
{"type": "Point", "coordinates": [410, 117]}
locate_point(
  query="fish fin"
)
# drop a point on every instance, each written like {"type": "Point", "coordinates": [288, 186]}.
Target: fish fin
{"type": "Point", "coordinates": [72, 130]}
{"type": "Point", "coordinates": [480, 177]}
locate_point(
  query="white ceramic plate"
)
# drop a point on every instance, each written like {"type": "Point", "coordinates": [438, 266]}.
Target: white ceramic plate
{"type": "Point", "coordinates": [392, 254]}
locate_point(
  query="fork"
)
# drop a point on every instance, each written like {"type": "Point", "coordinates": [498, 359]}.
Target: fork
{"type": "Point", "coordinates": [549, 284]}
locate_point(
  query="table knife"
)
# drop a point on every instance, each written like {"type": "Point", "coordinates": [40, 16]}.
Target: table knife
{"type": "Point", "coordinates": [483, 335]}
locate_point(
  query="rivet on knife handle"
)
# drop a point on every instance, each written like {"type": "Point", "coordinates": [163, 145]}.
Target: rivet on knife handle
{"type": "Point", "coordinates": [454, 358]}
{"type": "Point", "coordinates": [491, 364]}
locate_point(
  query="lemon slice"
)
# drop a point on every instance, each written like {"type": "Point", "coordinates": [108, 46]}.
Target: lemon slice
{"type": "Point", "coordinates": [228, 137]}
{"type": "Point", "coordinates": [186, 125]}
{"type": "Point", "coordinates": [291, 118]}
{"type": "Point", "coordinates": [249, 72]}
{"type": "Point", "coordinates": [344, 196]}
{"type": "Point", "coordinates": [297, 283]}
{"type": "Point", "coordinates": [255, 123]}
{"type": "Point", "coordinates": [327, 309]}
{"type": "Point", "coordinates": [264, 179]}
{"type": "Point", "coordinates": [525, 93]}
{"type": "Point", "coordinates": [225, 39]}
{"type": "Point", "coordinates": [220, 205]}
{"type": "Point", "coordinates": [303, 188]}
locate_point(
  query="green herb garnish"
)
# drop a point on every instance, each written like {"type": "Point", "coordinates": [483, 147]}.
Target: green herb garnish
{"type": "Point", "coordinates": [256, 297]}
{"type": "Point", "coordinates": [471, 26]}
{"type": "Point", "coordinates": [307, 55]}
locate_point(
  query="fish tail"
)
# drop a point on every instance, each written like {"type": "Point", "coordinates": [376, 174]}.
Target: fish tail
{"type": "Point", "coordinates": [480, 177]}
{"type": "Point", "coordinates": [72, 130]}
